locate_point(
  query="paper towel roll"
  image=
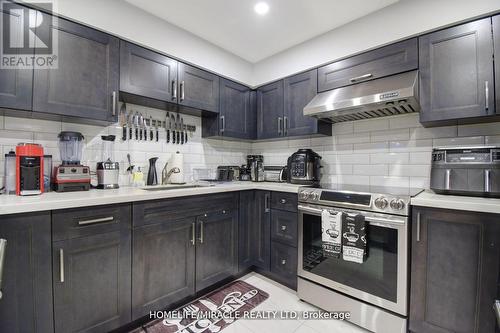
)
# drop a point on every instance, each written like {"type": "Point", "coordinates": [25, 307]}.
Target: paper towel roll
{"type": "Point", "coordinates": [177, 161]}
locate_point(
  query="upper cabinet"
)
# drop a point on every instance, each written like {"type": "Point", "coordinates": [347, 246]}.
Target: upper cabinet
{"type": "Point", "coordinates": [15, 84]}
{"type": "Point", "coordinates": [270, 111]}
{"type": "Point", "coordinates": [147, 73]}
{"type": "Point", "coordinates": [198, 89]}
{"type": "Point", "coordinates": [85, 83]}
{"type": "Point", "coordinates": [456, 73]}
{"type": "Point", "coordinates": [496, 42]}
{"type": "Point", "coordinates": [395, 58]}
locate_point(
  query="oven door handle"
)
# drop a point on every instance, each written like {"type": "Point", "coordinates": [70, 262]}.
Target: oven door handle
{"type": "Point", "coordinates": [309, 209]}
{"type": "Point", "coordinates": [380, 221]}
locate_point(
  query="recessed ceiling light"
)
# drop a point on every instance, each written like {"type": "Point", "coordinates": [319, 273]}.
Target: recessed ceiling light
{"type": "Point", "coordinates": [261, 8]}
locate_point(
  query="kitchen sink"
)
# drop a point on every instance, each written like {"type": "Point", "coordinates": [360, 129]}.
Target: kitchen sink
{"type": "Point", "coordinates": [172, 187]}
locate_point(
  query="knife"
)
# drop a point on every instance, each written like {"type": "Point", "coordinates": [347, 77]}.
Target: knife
{"type": "Point", "coordinates": [182, 131]}
{"type": "Point", "coordinates": [141, 124]}
{"type": "Point", "coordinates": [151, 135]}
{"type": "Point", "coordinates": [177, 126]}
{"type": "Point", "coordinates": [123, 121]}
{"type": "Point", "coordinates": [130, 122]}
{"type": "Point", "coordinates": [167, 120]}
{"type": "Point", "coordinates": [174, 128]}
{"type": "Point", "coordinates": [136, 125]}
{"type": "Point", "coordinates": [156, 129]}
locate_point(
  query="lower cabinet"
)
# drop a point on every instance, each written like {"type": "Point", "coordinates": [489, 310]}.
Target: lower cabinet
{"type": "Point", "coordinates": [284, 264]}
{"type": "Point", "coordinates": [261, 230]}
{"type": "Point", "coordinates": [454, 271]}
{"type": "Point", "coordinates": [26, 282]}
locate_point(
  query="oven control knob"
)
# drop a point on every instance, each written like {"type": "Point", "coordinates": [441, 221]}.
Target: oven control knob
{"type": "Point", "coordinates": [314, 196]}
{"type": "Point", "coordinates": [303, 195]}
{"type": "Point", "coordinates": [381, 203]}
{"type": "Point", "coordinates": [397, 204]}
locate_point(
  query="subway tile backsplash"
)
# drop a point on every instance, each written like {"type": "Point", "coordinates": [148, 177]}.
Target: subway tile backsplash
{"type": "Point", "coordinates": [391, 151]}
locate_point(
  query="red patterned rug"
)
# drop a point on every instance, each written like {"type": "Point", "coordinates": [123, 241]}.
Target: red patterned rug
{"type": "Point", "coordinates": [210, 313]}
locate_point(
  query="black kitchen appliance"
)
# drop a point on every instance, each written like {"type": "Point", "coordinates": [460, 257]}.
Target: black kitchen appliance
{"type": "Point", "coordinates": [152, 175]}
{"type": "Point", "coordinates": [304, 167]}
{"type": "Point", "coordinates": [473, 171]}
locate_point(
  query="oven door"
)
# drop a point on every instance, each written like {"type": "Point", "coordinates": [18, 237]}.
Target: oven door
{"type": "Point", "coordinates": [380, 280]}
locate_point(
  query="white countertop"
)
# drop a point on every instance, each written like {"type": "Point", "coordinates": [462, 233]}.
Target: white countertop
{"type": "Point", "coordinates": [11, 204]}
{"type": "Point", "coordinates": [455, 202]}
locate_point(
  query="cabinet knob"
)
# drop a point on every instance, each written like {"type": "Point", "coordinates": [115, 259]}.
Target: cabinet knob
{"type": "Point", "coordinates": [205, 215]}
{"type": "Point", "coordinates": [283, 227]}
{"type": "Point", "coordinates": [283, 201]}
{"type": "Point", "coordinates": [283, 261]}
{"type": "Point", "coordinates": [223, 212]}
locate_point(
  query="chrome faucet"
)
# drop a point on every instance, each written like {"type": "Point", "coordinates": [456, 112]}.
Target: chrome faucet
{"type": "Point", "coordinates": [165, 173]}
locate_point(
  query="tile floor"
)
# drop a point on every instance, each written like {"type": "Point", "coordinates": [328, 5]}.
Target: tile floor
{"type": "Point", "coordinates": [283, 298]}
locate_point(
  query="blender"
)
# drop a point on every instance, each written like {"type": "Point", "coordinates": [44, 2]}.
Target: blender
{"type": "Point", "coordinates": [71, 175]}
{"type": "Point", "coordinates": [108, 171]}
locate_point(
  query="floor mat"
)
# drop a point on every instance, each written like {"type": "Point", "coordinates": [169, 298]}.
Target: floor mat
{"type": "Point", "coordinates": [212, 312]}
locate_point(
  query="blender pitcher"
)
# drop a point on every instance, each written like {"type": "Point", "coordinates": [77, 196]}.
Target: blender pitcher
{"type": "Point", "coordinates": [108, 171]}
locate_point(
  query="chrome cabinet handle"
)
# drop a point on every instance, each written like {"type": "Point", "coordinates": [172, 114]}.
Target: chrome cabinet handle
{"type": "Point", "coordinates": [285, 126]}
{"type": "Point", "coordinates": [283, 261]}
{"type": "Point", "coordinates": [61, 265]}
{"type": "Point", "coordinates": [487, 182]}
{"type": "Point", "coordinates": [114, 103]}
{"type": "Point", "coordinates": [283, 201]}
{"type": "Point", "coordinates": [201, 232]}
{"type": "Point", "coordinates": [361, 77]}
{"type": "Point", "coordinates": [266, 203]}
{"type": "Point", "coordinates": [3, 247]}
{"type": "Point", "coordinates": [182, 90]}
{"type": "Point", "coordinates": [193, 233]}
{"type": "Point", "coordinates": [486, 95]}
{"type": "Point", "coordinates": [280, 131]}
{"type": "Point", "coordinates": [223, 123]}
{"type": "Point", "coordinates": [100, 220]}
{"type": "Point", "coordinates": [418, 227]}
{"type": "Point", "coordinates": [174, 89]}
{"type": "Point", "coordinates": [283, 227]}
{"type": "Point", "coordinates": [447, 180]}
{"type": "Point", "coordinates": [496, 308]}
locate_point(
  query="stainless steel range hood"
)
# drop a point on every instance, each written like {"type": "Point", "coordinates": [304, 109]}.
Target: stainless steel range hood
{"type": "Point", "coordinates": [397, 94]}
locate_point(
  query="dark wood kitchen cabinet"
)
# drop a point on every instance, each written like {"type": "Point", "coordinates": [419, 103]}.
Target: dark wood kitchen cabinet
{"type": "Point", "coordinates": [26, 304]}
{"type": "Point", "coordinates": [237, 117]}
{"type": "Point", "coordinates": [456, 74]}
{"type": "Point", "coordinates": [496, 43]}
{"type": "Point", "coordinates": [454, 272]}
{"type": "Point", "coordinates": [217, 247]}
{"type": "Point", "coordinates": [245, 235]}
{"type": "Point", "coordinates": [270, 111]}
{"type": "Point", "coordinates": [85, 82]}
{"type": "Point", "coordinates": [163, 264]}
{"type": "Point", "coordinates": [388, 60]}
{"type": "Point", "coordinates": [15, 84]}
{"type": "Point", "coordinates": [262, 230]}
{"type": "Point", "coordinates": [92, 269]}
{"type": "Point", "coordinates": [147, 73]}
{"type": "Point", "coordinates": [198, 89]}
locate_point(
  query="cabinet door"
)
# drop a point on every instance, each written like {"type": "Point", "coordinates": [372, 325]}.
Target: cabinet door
{"type": "Point", "coordinates": [284, 264]}
{"type": "Point", "coordinates": [284, 227]}
{"type": "Point", "coordinates": [245, 236]}
{"type": "Point", "coordinates": [85, 84]}
{"type": "Point", "coordinates": [163, 265]}
{"type": "Point", "coordinates": [26, 304]}
{"type": "Point", "coordinates": [237, 117]}
{"type": "Point", "coordinates": [147, 73]}
{"type": "Point", "coordinates": [261, 230]}
{"type": "Point", "coordinates": [496, 43]}
{"type": "Point", "coordinates": [456, 73]}
{"type": "Point", "coordinates": [216, 250]}
{"type": "Point", "coordinates": [395, 58]}
{"type": "Point", "coordinates": [198, 89]}
{"type": "Point", "coordinates": [454, 272]}
{"type": "Point", "coordinates": [15, 84]}
{"type": "Point", "coordinates": [270, 111]}
{"type": "Point", "coordinates": [92, 282]}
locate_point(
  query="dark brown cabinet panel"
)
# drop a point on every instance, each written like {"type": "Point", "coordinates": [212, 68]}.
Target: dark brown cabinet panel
{"type": "Point", "coordinates": [245, 235]}
{"type": "Point", "coordinates": [270, 111]}
{"type": "Point", "coordinates": [198, 89]}
{"type": "Point", "coordinates": [27, 303]}
{"type": "Point", "coordinates": [92, 284]}
{"type": "Point", "coordinates": [216, 248]}
{"type": "Point", "coordinates": [284, 227]}
{"type": "Point", "coordinates": [147, 73]}
{"type": "Point", "coordinates": [395, 58]}
{"type": "Point", "coordinates": [262, 230]}
{"type": "Point", "coordinates": [284, 264]}
{"type": "Point", "coordinates": [15, 84]}
{"type": "Point", "coordinates": [284, 201]}
{"type": "Point", "coordinates": [163, 263]}
{"type": "Point", "coordinates": [85, 83]}
{"type": "Point", "coordinates": [454, 272]}
{"type": "Point", "coordinates": [496, 43]}
{"type": "Point", "coordinates": [456, 73]}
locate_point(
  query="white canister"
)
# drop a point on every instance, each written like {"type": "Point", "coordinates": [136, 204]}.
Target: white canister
{"type": "Point", "coordinates": [177, 161]}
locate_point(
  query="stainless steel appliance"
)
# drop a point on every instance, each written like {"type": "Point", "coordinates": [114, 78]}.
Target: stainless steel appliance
{"type": "Point", "coordinates": [275, 174]}
{"type": "Point", "coordinates": [375, 291]}
{"type": "Point", "coordinates": [108, 171]}
{"type": "Point", "coordinates": [71, 175]}
{"type": "Point", "coordinates": [466, 171]}
{"type": "Point", "coordinates": [10, 172]}
{"type": "Point", "coordinates": [256, 165]}
{"type": "Point", "coordinates": [397, 94]}
{"type": "Point", "coordinates": [304, 167]}
{"type": "Point", "coordinates": [228, 173]}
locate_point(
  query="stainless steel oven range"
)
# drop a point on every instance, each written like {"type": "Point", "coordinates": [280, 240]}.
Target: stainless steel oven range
{"type": "Point", "coordinates": [375, 292]}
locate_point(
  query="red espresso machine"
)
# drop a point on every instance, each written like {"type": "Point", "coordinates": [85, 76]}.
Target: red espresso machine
{"type": "Point", "coordinates": [29, 167]}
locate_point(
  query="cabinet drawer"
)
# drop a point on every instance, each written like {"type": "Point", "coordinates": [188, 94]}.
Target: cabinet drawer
{"type": "Point", "coordinates": [152, 212]}
{"type": "Point", "coordinates": [395, 58]}
{"type": "Point", "coordinates": [284, 201]}
{"type": "Point", "coordinates": [284, 227]}
{"type": "Point", "coordinates": [284, 263]}
{"type": "Point", "coordinates": [79, 222]}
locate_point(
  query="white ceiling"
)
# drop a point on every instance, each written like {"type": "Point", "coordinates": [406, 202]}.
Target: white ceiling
{"type": "Point", "coordinates": [234, 26]}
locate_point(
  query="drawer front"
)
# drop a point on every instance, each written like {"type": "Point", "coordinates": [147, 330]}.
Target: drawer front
{"type": "Point", "coordinates": [284, 201]}
{"type": "Point", "coordinates": [284, 227]}
{"type": "Point", "coordinates": [395, 58]}
{"type": "Point", "coordinates": [79, 222]}
{"type": "Point", "coordinates": [284, 263]}
{"type": "Point", "coordinates": [152, 212]}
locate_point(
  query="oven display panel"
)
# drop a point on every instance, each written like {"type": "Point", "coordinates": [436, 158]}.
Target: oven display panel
{"type": "Point", "coordinates": [352, 198]}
